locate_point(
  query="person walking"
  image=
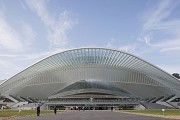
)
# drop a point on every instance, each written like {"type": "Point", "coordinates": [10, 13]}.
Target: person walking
{"type": "Point", "coordinates": [111, 108]}
{"type": "Point", "coordinates": [38, 110]}
{"type": "Point", "coordinates": [55, 110]}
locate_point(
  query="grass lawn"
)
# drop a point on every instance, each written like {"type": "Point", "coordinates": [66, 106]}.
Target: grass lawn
{"type": "Point", "coordinates": [155, 112]}
{"type": "Point", "coordinates": [8, 113]}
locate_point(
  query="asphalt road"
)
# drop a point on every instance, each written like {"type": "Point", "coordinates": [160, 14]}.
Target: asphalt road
{"type": "Point", "coordinates": [91, 115]}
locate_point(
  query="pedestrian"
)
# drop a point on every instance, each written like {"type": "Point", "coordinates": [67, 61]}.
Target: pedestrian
{"type": "Point", "coordinates": [38, 110]}
{"type": "Point", "coordinates": [55, 110]}
{"type": "Point", "coordinates": [111, 108]}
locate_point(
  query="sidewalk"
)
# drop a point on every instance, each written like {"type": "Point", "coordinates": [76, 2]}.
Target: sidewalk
{"type": "Point", "coordinates": [152, 115]}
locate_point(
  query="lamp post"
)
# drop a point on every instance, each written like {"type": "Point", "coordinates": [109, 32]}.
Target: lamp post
{"type": "Point", "coordinates": [163, 111]}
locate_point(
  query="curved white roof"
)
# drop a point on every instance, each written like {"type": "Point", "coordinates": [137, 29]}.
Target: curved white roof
{"type": "Point", "coordinates": [2, 81]}
{"type": "Point", "coordinates": [121, 69]}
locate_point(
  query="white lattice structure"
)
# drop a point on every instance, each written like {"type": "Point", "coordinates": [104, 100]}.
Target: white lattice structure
{"type": "Point", "coordinates": [92, 71]}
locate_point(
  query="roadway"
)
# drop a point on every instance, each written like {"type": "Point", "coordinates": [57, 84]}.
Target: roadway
{"type": "Point", "coordinates": [91, 115]}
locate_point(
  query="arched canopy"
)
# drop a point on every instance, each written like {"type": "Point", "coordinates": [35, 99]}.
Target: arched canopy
{"type": "Point", "coordinates": [55, 73]}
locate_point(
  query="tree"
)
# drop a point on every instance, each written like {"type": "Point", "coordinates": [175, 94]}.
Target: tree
{"type": "Point", "coordinates": [176, 75]}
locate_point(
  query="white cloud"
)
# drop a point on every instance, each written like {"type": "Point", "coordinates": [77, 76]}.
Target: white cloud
{"type": "Point", "coordinates": [170, 49]}
{"type": "Point", "coordinates": [12, 39]}
{"type": "Point", "coordinates": [170, 68]}
{"type": "Point", "coordinates": [39, 7]}
{"type": "Point", "coordinates": [10, 62]}
{"type": "Point", "coordinates": [22, 4]}
{"type": "Point", "coordinates": [39, 56]}
{"type": "Point", "coordinates": [159, 13]}
{"type": "Point", "coordinates": [9, 38]}
{"type": "Point", "coordinates": [9, 69]}
{"type": "Point", "coordinates": [113, 43]}
{"type": "Point", "coordinates": [57, 27]}
{"type": "Point", "coordinates": [110, 43]}
{"type": "Point", "coordinates": [128, 48]}
{"type": "Point", "coordinates": [58, 34]}
{"type": "Point", "coordinates": [28, 34]}
{"type": "Point", "coordinates": [157, 27]}
{"type": "Point", "coordinates": [20, 39]}
{"type": "Point", "coordinates": [35, 56]}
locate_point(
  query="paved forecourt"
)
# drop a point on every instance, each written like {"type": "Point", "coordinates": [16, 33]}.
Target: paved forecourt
{"type": "Point", "coordinates": [91, 115]}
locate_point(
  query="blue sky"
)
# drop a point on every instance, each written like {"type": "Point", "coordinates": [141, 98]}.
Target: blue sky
{"type": "Point", "coordinates": [31, 30]}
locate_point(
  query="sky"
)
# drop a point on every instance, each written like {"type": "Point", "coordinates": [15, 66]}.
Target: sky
{"type": "Point", "coordinates": [31, 30]}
